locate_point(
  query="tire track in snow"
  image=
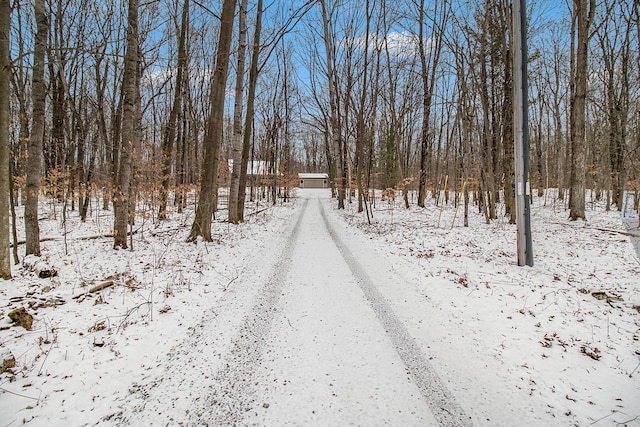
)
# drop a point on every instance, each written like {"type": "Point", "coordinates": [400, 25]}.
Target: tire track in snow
{"type": "Point", "coordinates": [192, 368]}
{"type": "Point", "coordinates": [439, 399]}
{"type": "Point", "coordinates": [234, 391]}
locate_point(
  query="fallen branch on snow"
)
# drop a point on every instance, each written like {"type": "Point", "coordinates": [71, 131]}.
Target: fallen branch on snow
{"type": "Point", "coordinates": [624, 233]}
{"type": "Point", "coordinates": [50, 239]}
{"type": "Point", "coordinates": [95, 289]}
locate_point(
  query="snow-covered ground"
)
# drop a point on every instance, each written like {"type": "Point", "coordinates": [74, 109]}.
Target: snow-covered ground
{"type": "Point", "coordinates": [306, 315]}
{"type": "Point", "coordinates": [523, 346]}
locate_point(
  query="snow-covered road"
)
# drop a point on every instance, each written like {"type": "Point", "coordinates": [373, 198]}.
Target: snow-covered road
{"type": "Point", "coordinates": [335, 353]}
{"type": "Point", "coordinates": [311, 342]}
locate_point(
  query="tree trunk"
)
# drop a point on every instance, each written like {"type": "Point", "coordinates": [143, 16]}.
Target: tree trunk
{"type": "Point", "coordinates": [361, 129]}
{"type": "Point", "coordinates": [84, 203]}
{"type": "Point", "coordinates": [213, 134]}
{"type": "Point", "coordinates": [507, 125]}
{"type": "Point", "coordinates": [34, 146]}
{"type": "Point", "coordinates": [5, 161]}
{"type": "Point", "coordinates": [55, 171]}
{"type": "Point", "coordinates": [129, 133]}
{"type": "Point", "coordinates": [334, 118]}
{"type": "Point", "coordinates": [578, 110]}
{"type": "Point", "coordinates": [539, 157]}
{"type": "Point", "coordinates": [614, 37]}
{"type": "Point", "coordinates": [103, 133]}
{"type": "Point", "coordinates": [487, 176]}
{"type": "Point", "coordinates": [248, 121]}
{"type": "Point", "coordinates": [187, 134]}
{"type": "Point", "coordinates": [429, 64]}
{"type": "Point", "coordinates": [286, 156]}
{"type": "Point", "coordinates": [170, 129]}
{"type": "Point", "coordinates": [489, 124]}
{"type": "Point", "coordinates": [236, 149]}
{"type": "Point", "coordinates": [464, 115]}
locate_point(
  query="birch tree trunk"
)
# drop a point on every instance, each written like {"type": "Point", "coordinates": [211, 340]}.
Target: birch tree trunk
{"type": "Point", "coordinates": [5, 176]}
{"type": "Point", "coordinates": [213, 134]}
{"type": "Point", "coordinates": [34, 146]}
{"type": "Point", "coordinates": [129, 133]}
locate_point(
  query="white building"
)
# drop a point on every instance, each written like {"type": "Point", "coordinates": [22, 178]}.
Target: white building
{"type": "Point", "coordinates": [313, 180]}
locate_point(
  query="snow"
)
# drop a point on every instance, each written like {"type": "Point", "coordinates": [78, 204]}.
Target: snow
{"type": "Point", "coordinates": [295, 318]}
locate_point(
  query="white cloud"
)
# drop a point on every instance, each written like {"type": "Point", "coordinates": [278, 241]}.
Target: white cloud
{"type": "Point", "coordinates": [399, 43]}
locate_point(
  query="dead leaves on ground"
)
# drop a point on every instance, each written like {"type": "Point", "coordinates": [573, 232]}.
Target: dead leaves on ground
{"type": "Point", "coordinates": [100, 325]}
{"type": "Point", "coordinates": [550, 339]}
{"type": "Point", "coordinates": [601, 295]}
{"type": "Point", "coordinates": [459, 279]}
{"type": "Point", "coordinates": [593, 353]}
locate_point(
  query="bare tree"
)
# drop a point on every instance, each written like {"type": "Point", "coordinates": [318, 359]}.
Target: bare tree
{"type": "Point", "coordinates": [429, 60]}
{"type": "Point", "coordinates": [34, 146]}
{"type": "Point", "coordinates": [361, 124]}
{"type": "Point", "coordinates": [464, 116]}
{"type": "Point", "coordinates": [122, 201]}
{"type": "Point", "coordinates": [401, 102]}
{"type": "Point", "coordinates": [213, 135]}
{"type": "Point", "coordinates": [614, 37]}
{"type": "Point", "coordinates": [583, 12]}
{"type": "Point", "coordinates": [334, 113]}
{"type": "Point", "coordinates": [236, 149]}
{"type": "Point", "coordinates": [169, 135]}
{"type": "Point", "coordinates": [249, 114]}
{"type": "Point", "coordinates": [507, 135]}
{"type": "Point", "coordinates": [55, 147]}
{"type": "Point", "coordinates": [5, 176]}
{"type": "Point", "coordinates": [488, 148]}
{"type": "Point", "coordinates": [554, 70]}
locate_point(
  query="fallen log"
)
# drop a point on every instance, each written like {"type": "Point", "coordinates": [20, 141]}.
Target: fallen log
{"type": "Point", "coordinates": [97, 288]}
{"type": "Point", "coordinates": [53, 239]}
{"type": "Point", "coordinates": [101, 286]}
{"type": "Point", "coordinates": [624, 233]}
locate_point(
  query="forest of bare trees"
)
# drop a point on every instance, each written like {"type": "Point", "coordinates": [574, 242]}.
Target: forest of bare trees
{"type": "Point", "coordinates": [134, 106]}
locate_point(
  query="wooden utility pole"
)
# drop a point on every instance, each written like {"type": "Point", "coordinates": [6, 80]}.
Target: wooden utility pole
{"type": "Point", "coordinates": [521, 132]}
